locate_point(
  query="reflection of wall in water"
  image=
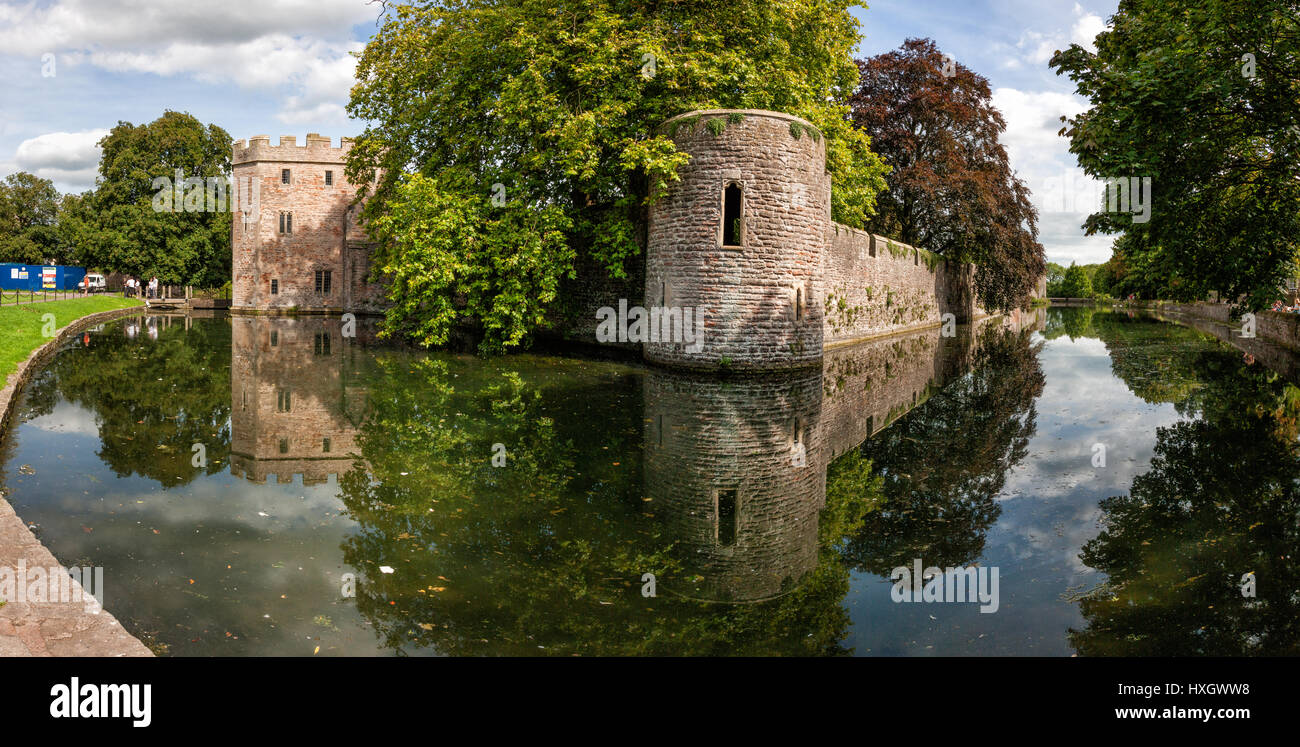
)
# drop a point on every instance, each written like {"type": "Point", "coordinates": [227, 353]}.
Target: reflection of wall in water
{"type": "Point", "coordinates": [722, 465]}
{"type": "Point", "coordinates": [294, 409]}
{"type": "Point", "coordinates": [719, 452]}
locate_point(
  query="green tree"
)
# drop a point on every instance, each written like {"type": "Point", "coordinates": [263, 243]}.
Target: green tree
{"type": "Point", "coordinates": [1200, 97]}
{"type": "Point", "coordinates": [126, 234]}
{"type": "Point", "coordinates": [28, 211]}
{"type": "Point", "coordinates": [559, 106]}
{"type": "Point", "coordinates": [1076, 283]}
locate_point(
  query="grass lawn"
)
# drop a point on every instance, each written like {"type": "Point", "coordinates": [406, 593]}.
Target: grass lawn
{"type": "Point", "coordinates": [21, 326]}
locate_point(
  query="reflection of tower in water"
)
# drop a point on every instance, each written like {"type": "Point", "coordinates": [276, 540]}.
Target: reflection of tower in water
{"type": "Point", "coordinates": [294, 408]}
{"type": "Point", "coordinates": [736, 473]}
{"type": "Point", "coordinates": [736, 467]}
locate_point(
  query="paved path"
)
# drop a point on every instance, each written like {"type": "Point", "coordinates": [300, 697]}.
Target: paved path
{"type": "Point", "coordinates": [50, 628]}
{"type": "Point", "coordinates": [46, 628]}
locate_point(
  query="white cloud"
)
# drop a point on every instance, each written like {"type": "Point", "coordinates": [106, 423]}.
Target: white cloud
{"type": "Point", "coordinates": [1063, 194]}
{"type": "Point", "coordinates": [69, 159]}
{"type": "Point", "coordinates": [1037, 47]}
{"type": "Point", "coordinates": [298, 48]}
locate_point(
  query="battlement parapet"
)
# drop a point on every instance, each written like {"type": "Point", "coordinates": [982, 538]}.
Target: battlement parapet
{"type": "Point", "coordinates": [317, 149]}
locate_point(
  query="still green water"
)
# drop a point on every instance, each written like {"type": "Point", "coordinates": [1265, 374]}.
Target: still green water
{"type": "Point", "coordinates": [261, 486]}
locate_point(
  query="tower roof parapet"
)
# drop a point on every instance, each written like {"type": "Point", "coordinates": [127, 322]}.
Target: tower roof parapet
{"type": "Point", "coordinates": [317, 149]}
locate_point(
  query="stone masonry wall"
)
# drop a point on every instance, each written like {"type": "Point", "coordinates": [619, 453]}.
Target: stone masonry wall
{"type": "Point", "coordinates": [325, 233]}
{"type": "Point", "coordinates": [875, 286]}
{"type": "Point", "coordinates": [760, 298]}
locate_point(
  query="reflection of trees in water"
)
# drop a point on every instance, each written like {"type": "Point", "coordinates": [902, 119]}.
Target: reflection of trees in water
{"type": "Point", "coordinates": [1220, 500]}
{"type": "Point", "coordinates": [943, 465]}
{"type": "Point", "coordinates": [545, 555]}
{"type": "Point", "coordinates": [152, 399]}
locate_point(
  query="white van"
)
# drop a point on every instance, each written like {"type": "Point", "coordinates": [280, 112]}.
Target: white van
{"type": "Point", "coordinates": [96, 283]}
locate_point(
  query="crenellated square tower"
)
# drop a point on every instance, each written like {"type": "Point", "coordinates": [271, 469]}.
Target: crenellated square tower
{"type": "Point", "coordinates": [299, 246]}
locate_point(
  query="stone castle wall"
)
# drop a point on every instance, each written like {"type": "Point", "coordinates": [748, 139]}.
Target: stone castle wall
{"type": "Point", "coordinates": [796, 282]}
{"type": "Point", "coordinates": [326, 234]}
{"type": "Point", "coordinates": [759, 298]}
{"type": "Point", "coordinates": [876, 286]}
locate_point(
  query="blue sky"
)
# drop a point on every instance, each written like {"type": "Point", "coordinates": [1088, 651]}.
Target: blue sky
{"type": "Point", "coordinates": [283, 67]}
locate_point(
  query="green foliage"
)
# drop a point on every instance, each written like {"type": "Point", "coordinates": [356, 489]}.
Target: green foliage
{"type": "Point", "coordinates": [453, 260]}
{"type": "Point", "coordinates": [29, 207]}
{"type": "Point", "coordinates": [1076, 283]}
{"type": "Point", "coordinates": [1174, 98]}
{"type": "Point", "coordinates": [118, 228]}
{"type": "Point", "coordinates": [555, 106]}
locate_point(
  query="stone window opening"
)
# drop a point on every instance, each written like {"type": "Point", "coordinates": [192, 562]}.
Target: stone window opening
{"type": "Point", "coordinates": [286, 222]}
{"type": "Point", "coordinates": [324, 280]}
{"type": "Point", "coordinates": [285, 176]}
{"type": "Point", "coordinates": [329, 178]}
{"type": "Point", "coordinates": [733, 215]}
{"type": "Point", "coordinates": [284, 446]}
{"type": "Point", "coordinates": [322, 343]}
{"type": "Point", "coordinates": [798, 304]}
{"type": "Point", "coordinates": [275, 286]}
{"type": "Point", "coordinates": [282, 401]}
{"type": "Point", "coordinates": [275, 337]}
{"type": "Point", "coordinates": [325, 446]}
{"type": "Point", "coordinates": [725, 512]}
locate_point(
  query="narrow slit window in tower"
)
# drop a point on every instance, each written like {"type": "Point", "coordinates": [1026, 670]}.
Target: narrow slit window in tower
{"type": "Point", "coordinates": [733, 219]}
{"type": "Point", "coordinates": [727, 517]}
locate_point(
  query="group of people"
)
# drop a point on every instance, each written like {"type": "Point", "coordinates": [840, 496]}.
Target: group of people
{"type": "Point", "coordinates": [1279, 306]}
{"type": "Point", "coordinates": [134, 287]}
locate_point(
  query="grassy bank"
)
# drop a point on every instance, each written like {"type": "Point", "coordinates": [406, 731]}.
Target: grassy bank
{"type": "Point", "coordinates": [22, 327]}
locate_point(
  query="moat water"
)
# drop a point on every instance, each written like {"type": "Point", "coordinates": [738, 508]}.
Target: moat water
{"type": "Point", "coordinates": [270, 487]}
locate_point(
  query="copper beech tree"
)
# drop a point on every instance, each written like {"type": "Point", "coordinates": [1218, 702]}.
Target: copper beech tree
{"type": "Point", "coordinates": [951, 189]}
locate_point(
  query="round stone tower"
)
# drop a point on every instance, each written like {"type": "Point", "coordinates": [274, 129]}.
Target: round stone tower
{"type": "Point", "coordinates": [736, 246]}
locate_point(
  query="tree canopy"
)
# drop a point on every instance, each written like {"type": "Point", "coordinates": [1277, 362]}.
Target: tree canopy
{"type": "Point", "coordinates": [951, 188]}
{"type": "Point", "coordinates": [1200, 97]}
{"type": "Point", "coordinates": [29, 207]}
{"type": "Point", "coordinates": [117, 222]}
{"type": "Point", "coordinates": [551, 110]}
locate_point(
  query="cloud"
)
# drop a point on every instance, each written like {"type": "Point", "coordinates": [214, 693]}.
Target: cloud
{"type": "Point", "coordinates": [69, 159]}
{"type": "Point", "coordinates": [299, 49]}
{"type": "Point", "coordinates": [1062, 193]}
{"type": "Point", "coordinates": [1037, 47]}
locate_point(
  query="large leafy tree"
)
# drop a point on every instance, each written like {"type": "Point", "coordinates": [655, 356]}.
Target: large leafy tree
{"type": "Point", "coordinates": [1076, 284]}
{"type": "Point", "coordinates": [29, 208]}
{"type": "Point", "coordinates": [126, 234]}
{"type": "Point", "coordinates": [951, 188]}
{"type": "Point", "coordinates": [558, 104]}
{"type": "Point", "coordinates": [1203, 98]}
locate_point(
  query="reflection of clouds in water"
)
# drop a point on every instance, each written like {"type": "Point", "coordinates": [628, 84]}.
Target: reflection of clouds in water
{"type": "Point", "coordinates": [1090, 405]}
{"type": "Point", "coordinates": [67, 417]}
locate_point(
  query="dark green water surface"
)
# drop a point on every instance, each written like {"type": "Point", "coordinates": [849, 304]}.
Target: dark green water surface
{"type": "Point", "coordinates": [266, 486]}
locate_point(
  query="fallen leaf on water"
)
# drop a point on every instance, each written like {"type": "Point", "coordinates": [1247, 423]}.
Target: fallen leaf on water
{"type": "Point", "coordinates": [317, 651]}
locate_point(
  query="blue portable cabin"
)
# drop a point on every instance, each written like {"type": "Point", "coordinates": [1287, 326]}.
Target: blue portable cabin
{"type": "Point", "coordinates": [40, 277]}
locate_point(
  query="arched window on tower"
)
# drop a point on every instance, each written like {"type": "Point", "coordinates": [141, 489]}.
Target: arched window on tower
{"type": "Point", "coordinates": [733, 215]}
